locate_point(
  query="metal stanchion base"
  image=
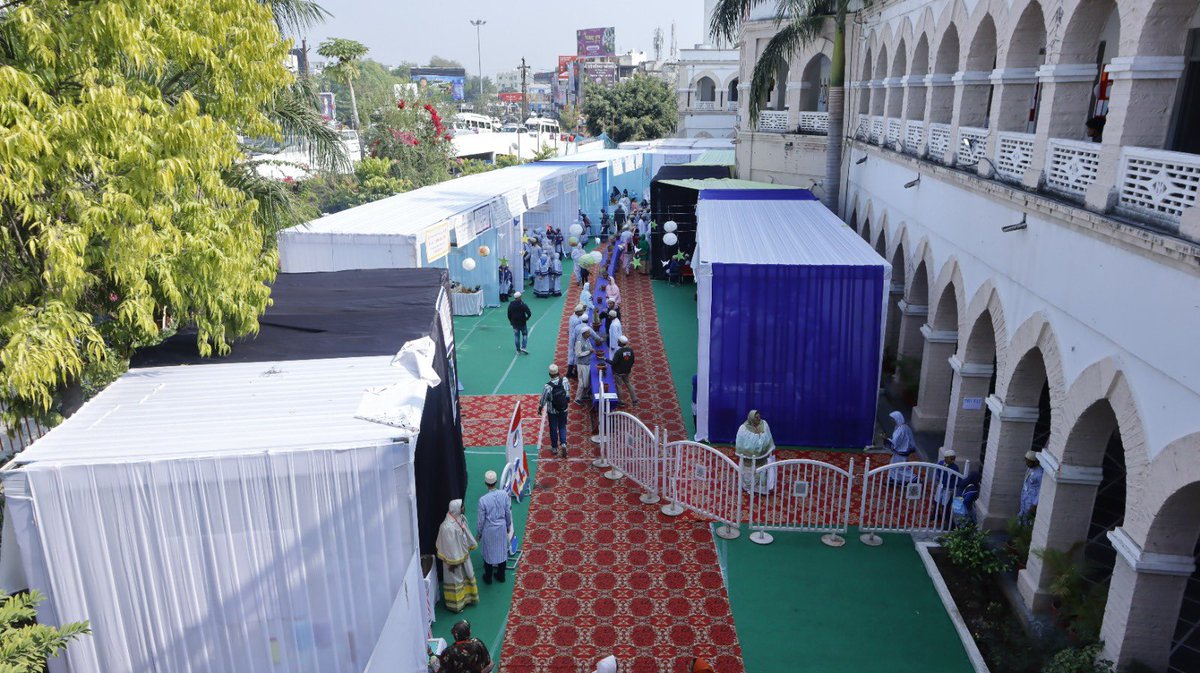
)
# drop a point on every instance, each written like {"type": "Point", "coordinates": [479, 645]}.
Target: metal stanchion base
{"type": "Point", "coordinates": [761, 537]}
{"type": "Point", "coordinates": [870, 539]}
{"type": "Point", "coordinates": [597, 439]}
{"type": "Point", "coordinates": [833, 540]}
{"type": "Point", "coordinates": [601, 463]}
{"type": "Point", "coordinates": [614, 474]}
{"type": "Point", "coordinates": [672, 509]}
{"type": "Point", "coordinates": [648, 498]}
{"type": "Point", "coordinates": [726, 532]}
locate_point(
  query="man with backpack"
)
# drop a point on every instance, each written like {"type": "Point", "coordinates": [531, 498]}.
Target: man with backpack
{"type": "Point", "coordinates": [518, 317]}
{"type": "Point", "coordinates": [556, 399]}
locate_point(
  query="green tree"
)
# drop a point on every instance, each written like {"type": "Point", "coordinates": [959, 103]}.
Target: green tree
{"type": "Point", "coordinates": [414, 134]}
{"type": "Point", "coordinates": [439, 62]}
{"type": "Point", "coordinates": [568, 118]}
{"type": "Point", "coordinates": [122, 211]}
{"type": "Point", "coordinates": [640, 108]}
{"type": "Point", "coordinates": [800, 22]}
{"type": "Point", "coordinates": [348, 54]}
{"type": "Point", "coordinates": [25, 645]}
{"type": "Point", "coordinates": [374, 88]}
{"type": "Point", "coordinates": [373, 178]}
{"type": "Point", "coordinates": [471, 92]}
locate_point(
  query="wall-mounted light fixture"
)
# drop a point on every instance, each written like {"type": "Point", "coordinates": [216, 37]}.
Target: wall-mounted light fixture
{"type": "Point", "coordinates": [1023, 224]}
{"type": "Point", "coordinates": [859, 162]}
{"type": "Point", "coordinates": [913, 183]}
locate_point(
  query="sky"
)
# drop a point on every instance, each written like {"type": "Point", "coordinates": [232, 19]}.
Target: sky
{"type": "Point", "coordinates": [397, 31]}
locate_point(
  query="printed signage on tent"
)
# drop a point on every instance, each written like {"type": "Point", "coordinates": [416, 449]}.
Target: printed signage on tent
{"type": "Point", "coordinates": [596, 42]}
{"type": "Point", "coordinates": [437, 241]}
{"type": "Point", "coordinates": [463, 230]}
{"type": "Point", "coordinates": [481, 220]}
{"type": "Point", "coordinates": [593, 174]}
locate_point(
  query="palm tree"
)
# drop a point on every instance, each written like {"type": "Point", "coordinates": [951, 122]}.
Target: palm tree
{"type": "Point", "coordinates": [348, 53]}
{"type": "Point", "coordinates": [801, 23]}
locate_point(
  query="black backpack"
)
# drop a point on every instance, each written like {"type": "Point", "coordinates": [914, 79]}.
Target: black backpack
{"type": "Point", "coordinates": [559, 402]}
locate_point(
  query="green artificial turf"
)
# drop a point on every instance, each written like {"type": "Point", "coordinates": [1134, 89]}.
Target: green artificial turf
{"type": "Point", "coordinates": [799, 605]}
{"type": "Point", "coordinates": [489, 616]}
{"type": "Point", "coordinates": [488, 363]}
{"type": "Point", "coordinates": [676, 309]}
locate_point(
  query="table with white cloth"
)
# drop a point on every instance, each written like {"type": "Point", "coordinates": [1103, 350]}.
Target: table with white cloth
{"type": "Point", "coordinates": [466, 303]}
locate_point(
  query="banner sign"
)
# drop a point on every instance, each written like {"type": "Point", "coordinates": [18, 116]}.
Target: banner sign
{"type": "Point", "coordinates": [450, 86]}
{"type": "Point", "coordinates": [481, 220]}
{"type": "Point", "coordinates": [593, 174]}
{"type": "Point", "coordinates": [328, 104]}
{"type": "Point", "coordinates": [565, 64]}
{"type": "Point", "coordinates": [596, 42]}
{"type": "Point", "coordinates": [600, 72]}
{"type": "Point", "coordinates": [511, 96]}
{"type": "Point", "coordinates": [463, 231]}
{"type": "Point", "coordinates": [437, 241]}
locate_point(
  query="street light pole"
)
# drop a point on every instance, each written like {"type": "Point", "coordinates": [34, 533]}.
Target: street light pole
{"type": "Point", "coordinates": [479, 52]}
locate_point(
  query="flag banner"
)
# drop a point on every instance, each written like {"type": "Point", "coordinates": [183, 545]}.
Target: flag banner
{"type": "Point", "coordinates": [518, 462]}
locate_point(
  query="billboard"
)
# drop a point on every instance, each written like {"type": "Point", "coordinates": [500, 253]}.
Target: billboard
{"type": "Point", "coordinates": [564, 67]}
{"type": "Point", "coordinates": [328, 104]}
{"type": "Point", "coordinates": [596, 42]}
{"type": "Point", "coordinates": [449, 82]}
{"type": "Point", "coordinates": [600, 72]}
{"type": "Point", "coordinates": [511, 96]}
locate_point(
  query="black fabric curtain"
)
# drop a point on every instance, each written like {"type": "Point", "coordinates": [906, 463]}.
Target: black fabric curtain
{"type": "Point", "coordinates": [672, 202]}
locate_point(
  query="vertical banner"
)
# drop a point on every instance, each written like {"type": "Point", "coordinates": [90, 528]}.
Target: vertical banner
{"type": "Point", "coordinates": [464, 232]}
{"type": "Point", "coordinates": [514, 454]}
{"type": "Point", "coordinates": [437, 241]}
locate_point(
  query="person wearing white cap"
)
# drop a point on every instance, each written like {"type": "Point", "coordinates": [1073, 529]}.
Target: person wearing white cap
{"type": "Point", "coordinates": [556, 400]}
{"type": "Point", "coordinates": [493, 521]}
{"type": "Point", "coordinates": [615, 331]}
{"type": "Point", "coordinates": [946, 486]}
{"type": "Point", "coordinates": [578, 318]}
{"type": "Point", "coordinates": [584, 348]}
{"type": "Point", "coordinates": [621, 362]}
{"type": "Point", "coordinates": [518, 316]}
{"type": "Point", "coordinates": [1031, 487]}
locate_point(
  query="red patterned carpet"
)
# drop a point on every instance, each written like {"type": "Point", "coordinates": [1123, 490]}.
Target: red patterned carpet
{"type": "Point", "coordinates": [604, 574]}
{"type": "Point", "coordinates": [485, 418]}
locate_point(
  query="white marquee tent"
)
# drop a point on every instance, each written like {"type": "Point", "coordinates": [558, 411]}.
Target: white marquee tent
{"type": "Point", "coordinates": [440, 226]}
{"type": "Point", "coordinates": [230, 517]}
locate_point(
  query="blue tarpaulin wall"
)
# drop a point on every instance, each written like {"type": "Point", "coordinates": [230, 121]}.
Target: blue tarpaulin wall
{"type": "Point", "coordinates": [799, 343]}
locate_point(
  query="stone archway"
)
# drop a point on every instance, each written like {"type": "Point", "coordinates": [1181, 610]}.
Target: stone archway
{"type": "Point", "coordinates": [941, 342]}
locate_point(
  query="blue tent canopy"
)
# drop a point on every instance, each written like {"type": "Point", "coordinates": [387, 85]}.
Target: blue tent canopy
{"type": "Point", "coordinates": [791, 316]}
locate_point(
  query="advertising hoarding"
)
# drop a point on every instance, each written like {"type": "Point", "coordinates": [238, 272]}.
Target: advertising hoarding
{"type": "Point", "coordinates": [564, 67]}
{"type": "Point", "coordinates": [328, 104]}
{"type": "Point", "coordinates": [596, 42]}
{"type": "Point", "coordinates": [451, 86]}
{"type": "Point", "coordinates": [511, 96]}
{"type": "Point", "coordinates": [600, 72]}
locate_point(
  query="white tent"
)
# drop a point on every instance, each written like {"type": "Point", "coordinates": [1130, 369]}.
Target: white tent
{"type": "Point", "coordinates": [439, 225]}
{"type": "Point", "coordinates": [230, 517]}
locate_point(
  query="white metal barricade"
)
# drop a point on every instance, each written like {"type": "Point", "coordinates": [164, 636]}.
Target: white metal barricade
{"type": "Point", "coordinates": [601, 437]}
{"type": "Point", "coordinates": [705, 481]}
{"type": "Point", "coordinates": [633, 451]}
{"type": "Point", "coordinates": [908, 497]}
{"type": "Point", "coordinates": [807, 496]}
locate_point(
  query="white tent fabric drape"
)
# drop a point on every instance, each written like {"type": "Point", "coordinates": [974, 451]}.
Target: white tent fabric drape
{"type": "Point", "coordinates": [287, 562]}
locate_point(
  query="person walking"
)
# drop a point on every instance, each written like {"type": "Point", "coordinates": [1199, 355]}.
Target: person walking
{"type": "Point", "coordinates": [493, 521]}
{"type": "Point", "coordinates": [622, 366]}
{"type": "Point", "coordinates": [518, 317]}
{"type": "Point", "coordinates": [578, 319]}
{"type": "Point", "coordinates": [454, 546]}
{"type": "Point", "coordinates": [616, 334]}
{"type": "Point", "coordinates": [555, 400]}
{"type": "Point", "coordinates": [584, 348]}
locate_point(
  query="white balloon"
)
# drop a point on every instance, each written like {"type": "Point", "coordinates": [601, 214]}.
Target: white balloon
{"type": "Point", "coordinates": [468, 264]}
{"type": "Point", "coordinates": [576, 229]}
{"type": "Point", "coordinates": [597, 240]}
{"type": "Point", "coordinates": [670, 226]}
{"type": "Point", "coordinates": [670, 239]}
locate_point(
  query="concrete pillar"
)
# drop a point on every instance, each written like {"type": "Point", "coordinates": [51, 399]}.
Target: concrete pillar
{"type": "Point", "coordinates": [1062, 113]}
{"type": "Point", "coordinates": [964, 420]}
{"type": "Point", "coordinates": [912, 342]}
{"type": "Point", "coordinates": [892, 334]}
{"type": "Point", "coordinates": [1064, 514]}
{"type": "Point", "coordinates": [933, 396]}
{"type": "Point", "coordinates": [1009, 438]}
{"type": "Point", "coordinates": [1144, 597]}
{"type": "Point", "coordinates": [1142, 102]}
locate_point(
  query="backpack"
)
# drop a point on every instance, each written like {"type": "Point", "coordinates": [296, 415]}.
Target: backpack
{"type": "Point", "coordinates": [559, 403]}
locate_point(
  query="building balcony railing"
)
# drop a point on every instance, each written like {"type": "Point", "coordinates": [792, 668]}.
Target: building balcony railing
{"type": "Point", "coordinates": [1153, 186]}
{"type": "Point", "coordinates": [773, 121]}
{"type": "Point", "coordinates": [731, 106]}
{"type": "Point", "coordinates": [815, 123]}
{"type": "Point", "coordinates": [704, 105]}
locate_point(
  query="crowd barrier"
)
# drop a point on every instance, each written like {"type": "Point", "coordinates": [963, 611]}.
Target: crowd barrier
{"type": "Point", "coordinates": [795, 495]}
{"type": "Point", "coordinates": [801, 495]}
{"type": "Point", "coordinates": [907, 498]}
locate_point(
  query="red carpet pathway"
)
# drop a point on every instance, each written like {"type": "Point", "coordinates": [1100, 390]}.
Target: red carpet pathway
{"type": "Point", "coordinates": [604, 574]}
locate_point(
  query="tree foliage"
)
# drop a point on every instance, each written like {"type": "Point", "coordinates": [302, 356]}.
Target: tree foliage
{"type": "Point", "coordinates": [373, 179]}
{"type": "Point", "coordinates": [121, 208]}
{"type": "Point", "coordinates": [374, 88]}
{"type": "Point", "coordinates": [25, 645]}
{"type": "Point", "coordinates": [414, 135]}
{"type": "Point", "coordinates": [640, 108]}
